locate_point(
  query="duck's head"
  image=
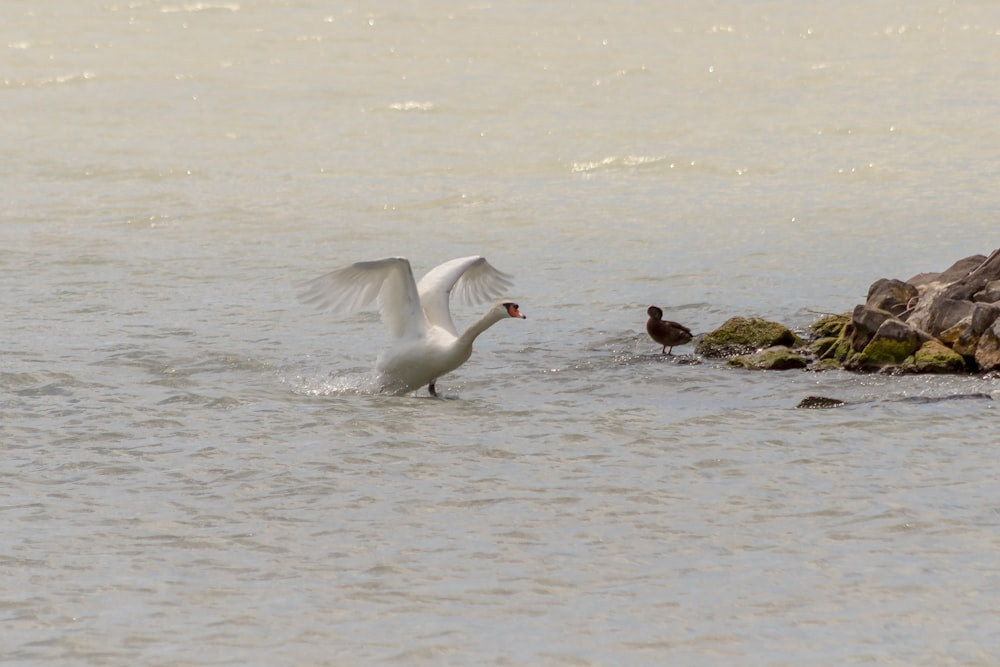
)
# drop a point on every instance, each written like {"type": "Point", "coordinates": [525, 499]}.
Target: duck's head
{"type": "Point", "coordinates": [655, 312]}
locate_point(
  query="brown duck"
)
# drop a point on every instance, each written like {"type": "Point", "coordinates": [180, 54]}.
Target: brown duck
{"type": "Point", "coordinates": [666, 332]}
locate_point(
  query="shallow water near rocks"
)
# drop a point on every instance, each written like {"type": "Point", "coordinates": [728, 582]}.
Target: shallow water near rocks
{"type": "Point", "coordinates": [197, 470]}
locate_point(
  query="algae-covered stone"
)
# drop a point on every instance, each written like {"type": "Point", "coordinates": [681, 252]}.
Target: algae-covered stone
{"type": "Point", "coordinates": [882, 353]}
{"type": "Point", "coordinates": [830, 364]}
{"type": "Point", "coordinates": [743, 335]}
{"type": "Point", "coordinates": [830, 326]}
{"type": "Point", "coordinates": [778, 358]}
{"type": "Point", "coordinates": [823, 347]}
{"type": "Point", "coordinates": [865, 323]}
{"type": "Point", "coordinates": [934, 357]}
{"type": "Point", "coordinates": [831, 338]}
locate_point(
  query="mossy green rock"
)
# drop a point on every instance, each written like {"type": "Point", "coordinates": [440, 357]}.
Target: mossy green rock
{"type": "Point", "coordinates": [773, 359]}
{"type": "Point", "coordinates": [831, 342]}
{"type": "Point", "coordinates": [831, 326]}
{"type": "Point", "coordinates": [881, 353]}
{"type": "Point", "coordinates": [824, 347]}
{"type": "Point", "coordinates": [934, 357]}
{"type": "Point", "coordinates": [743, 335]}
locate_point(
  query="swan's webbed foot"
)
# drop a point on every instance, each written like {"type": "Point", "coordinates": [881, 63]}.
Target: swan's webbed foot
{"type": "Point", "coordinates": [431, 389]}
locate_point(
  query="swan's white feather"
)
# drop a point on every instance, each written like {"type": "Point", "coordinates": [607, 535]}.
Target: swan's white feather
{"type": "Point", "coordinates": [473, 278]}
{"type": "Point", "coordinates": [350, 289]}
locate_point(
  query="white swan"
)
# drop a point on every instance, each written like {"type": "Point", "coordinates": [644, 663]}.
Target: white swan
{"type": "Point", "coordinates": [427, 345]}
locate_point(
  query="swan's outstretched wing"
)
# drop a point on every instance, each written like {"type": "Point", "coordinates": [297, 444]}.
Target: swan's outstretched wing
{"type": "Point", "coordinates": [350, 289]}
{"type": "Point", "coordinates": [475, 280]}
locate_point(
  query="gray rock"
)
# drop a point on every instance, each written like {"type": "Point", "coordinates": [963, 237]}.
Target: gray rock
{"type": "Point", "coordinates": [976, 280]}
{"type": "Point", "coordinates": [865, 322]}
{"type": "Point", "coordinates": [893, 296]}
{"type": "Point", "coordinates": [989, 294]}
{"type": "Point", "coordinates": [945, 313]}
{"type": "Point", "coordinates": [959, 324]}
{"type": "Point", "coordinates": [956, 271]}
{"type": "Point", "coordinates": [987, 354]}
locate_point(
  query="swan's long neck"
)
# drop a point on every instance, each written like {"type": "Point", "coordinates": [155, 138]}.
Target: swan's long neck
{"type": "Point", "coordinates": [472, 332]}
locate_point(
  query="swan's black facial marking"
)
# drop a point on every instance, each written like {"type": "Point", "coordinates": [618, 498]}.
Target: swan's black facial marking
{"type": "Point", "coordinates": [512, 310]}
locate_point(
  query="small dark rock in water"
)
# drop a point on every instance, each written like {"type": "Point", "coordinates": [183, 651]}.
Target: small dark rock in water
{"type": "Point", "coordinates": [819, 402]}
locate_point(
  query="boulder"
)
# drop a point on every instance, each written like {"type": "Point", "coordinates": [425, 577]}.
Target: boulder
{"type": "Point", "coordinates": [865, 322]}
{"type": "Point", "coordinates": [778, 358]}
{"type": "Point", "coordinates": [824, 348]}
{"type": "Point", "coordinates": [987, 354]}
{"type": "Point", "coordinates": [976, 280]}
{"type": "Point", "coordinates": [956, 271]}
{"type": "Point", "coordinates": [827, 339]}
{"type": "Point", "coordinates": [934, 357]}
{"type": "Point", "coordinates": [989, 294]}
{"type": "Point", "coordinates": [920, 315]}
{"type": "Point", "coordinates": [945, 313]}
{"type": "Point", "coordinates": [963, 336]}
{"type": "Point", "coordinates": [960, 337]}
{"type": "Point", "coordinates": [893, 296]}
{"type": "Point", "coordinates": [829, 326]}
{"type": "Point", "coordinates": [890, 347]}
{"type": "Point", "coordinates": [744, 335]}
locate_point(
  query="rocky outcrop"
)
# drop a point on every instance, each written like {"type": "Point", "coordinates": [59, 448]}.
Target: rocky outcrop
{"type": "Point", "coordinates": [947, 322]}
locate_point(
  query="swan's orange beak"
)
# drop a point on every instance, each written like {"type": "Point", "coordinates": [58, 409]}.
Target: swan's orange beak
{"type": "Point", "coordinates": [512, 310]}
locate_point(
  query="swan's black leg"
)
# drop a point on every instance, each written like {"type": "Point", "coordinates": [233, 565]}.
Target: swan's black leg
{"type": "Point", "coordinates": [431, 388]}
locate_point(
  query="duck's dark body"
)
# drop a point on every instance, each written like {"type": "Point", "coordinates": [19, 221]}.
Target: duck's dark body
{"type": "Point", "coordinates": [665, 332]}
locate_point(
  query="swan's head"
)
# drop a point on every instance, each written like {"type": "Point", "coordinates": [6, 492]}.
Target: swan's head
{"type": "Point", "coordinates": [512, 310]}
{"type": "Point", "coordinates": [655, 313]}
